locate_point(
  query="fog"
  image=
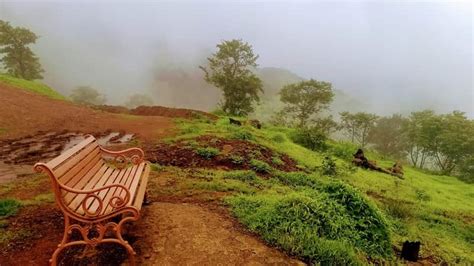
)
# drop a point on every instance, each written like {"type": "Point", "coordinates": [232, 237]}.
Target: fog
{"type": "Point", "coordinates": [392, 56]}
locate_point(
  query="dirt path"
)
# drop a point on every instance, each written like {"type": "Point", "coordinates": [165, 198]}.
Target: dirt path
{"type": "Point", "coordinates": [188, 234]}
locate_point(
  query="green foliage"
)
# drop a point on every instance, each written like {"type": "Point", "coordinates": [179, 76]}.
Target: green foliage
{"type": "Point", "coordinates": [311, 138]}
{"type": "Point", "coordinates": [208, 152]}
{"type": "Point", "coordinates": [236, 159]}
{"type": "Point", "coordinates": [357, 126]}
{"type": "Point", "coordinates": [139, 100]}
{"type": "Point", "coordinates": [320, 225]}
{"type": "Point", "coordinates": [297, 179]}
{"type": "Point", "coordinates": [260, 166]}
{"type": "Point", "coordinates": [32, 86]}
{"type": "Point", "coordinates": [329, 166]}
{"type": "Point", "coordinates": [242, 134]}
{"type": "Point", "coordinates": [278, 138]}
{"type": "Point", "coordinates": [276, 160]}
{"type": "Point", "coordinates": [87, 95]}
{"type": "Point", "coordinates": [388, 136]}
{"type": "Point", "coordinates": [19, 60]}
{"type": "Point", "coordinates": [230, 69]}
{"type": "Point", "coordinates": [245, 176]}
{"type": "Point", "coordinates": [399, 209]}
{"type": "Point", "coordinates": [306, 98]}
{"type": "Point", "coordinates": [8, 207]}
{"type": "Point", "coordinates": [343, 150]}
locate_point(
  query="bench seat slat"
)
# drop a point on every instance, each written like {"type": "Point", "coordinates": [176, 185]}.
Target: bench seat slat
{"type": "Point", "coordinates": [64, 156]}
{"type": "Point", "coordinates": [79, 181]}
{"type": "Point", "coordinates": [140, 195]}
{"type": "Point", "coordinates": [86, 164]}
{"type": "Point", "coordinates": [90, 184]}
{"type": "Point", "coordinates": [73, 161]}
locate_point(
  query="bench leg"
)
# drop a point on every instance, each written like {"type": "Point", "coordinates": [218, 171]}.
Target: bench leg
{"type": "Point", "coordinates": [101, 229]}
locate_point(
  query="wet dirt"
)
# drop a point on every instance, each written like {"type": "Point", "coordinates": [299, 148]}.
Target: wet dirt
{"type": "Point", "coordinates": [183, 154]}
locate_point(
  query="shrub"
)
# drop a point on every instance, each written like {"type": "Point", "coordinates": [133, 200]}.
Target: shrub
{"type": "Point", "coordinates": [399, 209]}
{"type": "Point", "coordinates": [208, 152]}
{"type": "Point", "coordinates": [242, 134]}
{"type": "Point", "coordinates": [329, 166]}
{"type": "Point", "coordinates": [311, 138]}
{"type": "Point", "coordinates": [236, 159]}
{"type": "Point", "coordinates": [259, 166]}
{"type": "Point", "coordinates": [242, 175]}
{"type": "Point", "coordinates": [278, 138]}
{"type": "Point", "coordinates": [276, 160]}
{"type": "Point", "coordinates": [343, 150]}
{"type": "Point", "coordinates": [8, 207]}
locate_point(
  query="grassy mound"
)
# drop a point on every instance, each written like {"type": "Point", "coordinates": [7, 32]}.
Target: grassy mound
{"type": "Point", "coordinates": [331, 223]}
{"type": "Point", "coordinates": [32, 86]}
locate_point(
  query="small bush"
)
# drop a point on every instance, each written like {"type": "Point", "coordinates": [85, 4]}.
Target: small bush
{"type": "Point", "coordinates": [278, 138]}
{"type": "Point", "coordinates": [329, 166]}
{"type": "Point", "coordinates": [8, 207]}
{"type": "Point", "coordinates": [242, 175]}
{"type": "Point", "coordinates": [421, 195]}
{"type": "Point", "coordinates": [399, 209]}
{"type": "Point", "coordinates": [236, 159]}
{"type": "Point", "coordinates": [242, 134]}
{"type": "Point", "coordinates": [343, 150]}
{"type": "Point", "coordinates": [208, 152]}
{"type": "Point", "coordinates": [276, 160]}
{"type": "Point", "coordinates": [259, 166]}
{"type": "Point", "coordinates": [311, 138]}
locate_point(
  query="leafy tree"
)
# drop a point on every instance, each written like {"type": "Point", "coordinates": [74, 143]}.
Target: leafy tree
{"type": "Point", "coordinates": [327, 125]}
{"type": "Point", "coordinates": [87, 95]}
{"type": "Point", "coordinates": [306, 98]}
{"type": "Point", "coordinates": [138, 100]}
{"type": "Point", "coordinates": [357, 126]}
{"type": "Point", "coordinates": [230, 70]}
{"type": "Point", "coordinates": [421, 132]}
{"type": "Point", "coordinates": [388, 136]}
{"type": "Point", "coordinates": [18, 59]}
{"type": "Point", "coordinates": [455, 142]}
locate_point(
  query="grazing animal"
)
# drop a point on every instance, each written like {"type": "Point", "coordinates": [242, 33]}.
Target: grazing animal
{"type": "Point", "coordinates": [235, 122]}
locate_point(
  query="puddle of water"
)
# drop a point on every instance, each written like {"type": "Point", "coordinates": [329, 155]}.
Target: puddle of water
{"type": "Point", "coordinates": [103, 141]}
{"type": "Point", "coordinates": [72, 142]}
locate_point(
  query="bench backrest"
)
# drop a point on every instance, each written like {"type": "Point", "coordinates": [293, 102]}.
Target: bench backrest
{"type": "Point", "coordinates": [77, 162]}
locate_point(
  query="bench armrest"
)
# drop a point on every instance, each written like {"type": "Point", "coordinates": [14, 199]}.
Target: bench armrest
{"type": "Point", "coordinates": [134, 155]}
{"type": "Point", "coordinates": [117, 201]}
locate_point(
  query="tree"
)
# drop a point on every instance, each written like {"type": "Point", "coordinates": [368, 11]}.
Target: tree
{"type": "Point", "coordinates": [230, 70]}
{"type": "Point", "coordinates": [87, 95]}
{"type": "Point", "coordinates": [138, 100]}
{"type": "Point", "coordinates": [306, 98]}
{"type": "Point", "coordinates": [327, 125]}
{"type": "Point", "coordinates": [421, 132]}
{"type": "Point", "coordinates": [388, 136]}
{"type": "Point", "coordinates": [18, 59]}
{"type": "Point", "coordinates": [357, 126]}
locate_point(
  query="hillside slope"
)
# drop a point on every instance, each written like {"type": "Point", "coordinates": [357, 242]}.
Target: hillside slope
{"type": "Point", "coordinates": [32, 86]}
{"type": "Point", "coordinates": [25, 111]}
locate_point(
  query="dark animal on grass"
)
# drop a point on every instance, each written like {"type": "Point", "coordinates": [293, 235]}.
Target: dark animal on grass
{"type": "Point", "coordinates": [396, 170]}
{"type": "Point", "coordinates": [235, 122]}
{"type": "Point", "coordinates": [362, 161]}
{"type": "Point", "coordinates": [410, 250]}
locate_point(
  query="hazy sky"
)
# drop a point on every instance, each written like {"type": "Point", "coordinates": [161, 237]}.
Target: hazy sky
{"type": "Point", "coordinates": [402, 56]}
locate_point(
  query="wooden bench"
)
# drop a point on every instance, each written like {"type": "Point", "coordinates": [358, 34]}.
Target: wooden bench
{"type": "Point", "coordinates": [97, 196]}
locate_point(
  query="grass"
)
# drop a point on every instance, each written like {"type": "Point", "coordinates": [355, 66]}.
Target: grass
{"type": "Point", "coordinates": [436, 210]}
{"type": "Point", "coordinates": [207, 152]}
{"type": "Point", "coordinates": [33, 86]}
{"type": "Point", "coordinates": [9, 207]}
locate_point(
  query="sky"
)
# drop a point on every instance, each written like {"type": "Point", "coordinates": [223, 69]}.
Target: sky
{"type": "Point", "coordinates": [397, 56]}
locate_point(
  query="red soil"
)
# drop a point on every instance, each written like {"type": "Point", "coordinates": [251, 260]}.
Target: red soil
{"type": "Point", "coordinates": [182, 154]}
{"type": "Point", "coordinates": [23, 113]}
{"type": "Point", "coordinates": [157, 111]}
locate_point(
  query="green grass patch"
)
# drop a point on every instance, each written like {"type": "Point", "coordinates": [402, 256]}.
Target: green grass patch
{"type": "Point", "coordinates": [9, 207]}
{"type": "Point", "coordinates": [207, 152]}
{"type": "Point", "coordinates": [33, 86]}
{"type": "Point", "coordinates": [260, 166]}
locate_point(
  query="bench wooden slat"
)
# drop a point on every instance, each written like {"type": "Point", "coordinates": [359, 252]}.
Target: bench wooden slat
{"type": "Point", "coordinates": [74, 160]}
{"type": "Point", "coordinates": [94, 182]}
{"type": "Point", "coordinates": [79, 181]}
{"type": "Point", "coordinates": [76, 201]}
{"type": "Point", "coordinates": [86, 164]}
{"type": "Point", "coordinates": [106, 194]}
{"type": "Point", "coordinates": [125, 179]}
{"type": "Point", "coordinates": [134, 184]}
{"type": "Point", "coordinates": [64, 156]}
{"type": "Point", "coordinates": [140, 196]}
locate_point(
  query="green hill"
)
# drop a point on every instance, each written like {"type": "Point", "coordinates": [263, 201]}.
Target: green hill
{"type": "Point", "coordinates": [330, 211]}
{"type": "Point", "coordinates": [33, 86]}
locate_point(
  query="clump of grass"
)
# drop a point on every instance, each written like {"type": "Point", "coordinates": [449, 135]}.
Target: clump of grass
{"type": "Point", "coordinates": [311, 138]}
{"type": "Point", "coordinates": [399, 209]}
{"type": "Point", "coordinates": [208, 152]}
{"type": "Point", "coordinates": [317, 225]}
{"type": "Point", "coordinates": [243, 175]}
{"type": "Point", "coordinates": [236, 159]}
{"type": "Point", "coordinates": [278, 138]}
{"type": "Point", "coordinates": [421, 195]}
{"type": "Point", "coordinates": [329, 166]}
{"type": "Point", "coordinates": [8, 207]}
{"type": "Point", "coordinates": [296, 179]}
{"type": "Point", "coordinates": [276, 160]}
{"type": "Point", "coordinates": [242, 134]}
{"type": "Point", "coordinates": [260, 166]}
